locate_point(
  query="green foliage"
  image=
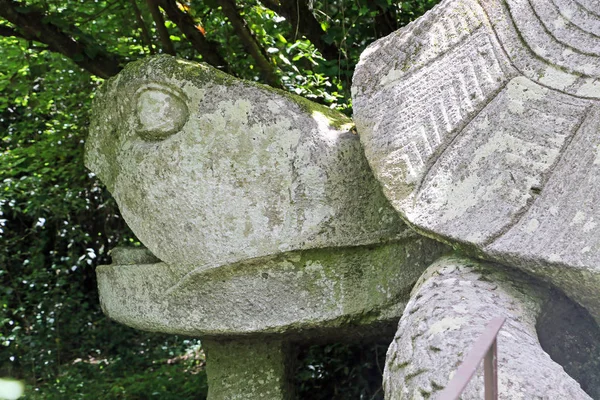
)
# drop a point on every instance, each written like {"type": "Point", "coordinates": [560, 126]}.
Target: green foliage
{"type": "Point", "coordinates": [176, 378]}
{"type": "Point", "coordinates": [57, 221]}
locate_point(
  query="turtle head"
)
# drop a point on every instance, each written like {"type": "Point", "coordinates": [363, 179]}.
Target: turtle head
{"type": "Point", "coordinates": [209, 170]}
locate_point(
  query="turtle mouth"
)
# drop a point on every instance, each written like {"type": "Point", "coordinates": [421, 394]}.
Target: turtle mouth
{"type": "Point", "coordinates": [188, 278]}
{"type": "Point", "coordinates": [140, 256]}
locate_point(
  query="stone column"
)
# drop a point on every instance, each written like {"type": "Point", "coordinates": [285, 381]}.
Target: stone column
{"type": "Point", "coordinates": [249, 369]}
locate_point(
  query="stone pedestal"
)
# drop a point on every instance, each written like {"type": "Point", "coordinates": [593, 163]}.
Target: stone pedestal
{"type": "Point", "coordinates": [249, 369]}
{"type": "Point", "coordinates": [246, 313]}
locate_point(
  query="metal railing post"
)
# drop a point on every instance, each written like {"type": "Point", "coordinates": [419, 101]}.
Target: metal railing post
{"type": "Point", "coordinates": [485, 347]}
{"type": "Point", "coordinates": [490, 372]}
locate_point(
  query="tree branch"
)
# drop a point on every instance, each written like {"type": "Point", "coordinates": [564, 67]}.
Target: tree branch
{"type": "Point", "coordinates": [96, 15]}
{"type": "Point", "coordinates": [9, 32]}
{"type": "Point", "coordinates": [303, 21]}
{"type": "Point", "coordinates": [185, 23]}
{"type": "Point", "coordinates": [140, 20]}
{"type": "Point", "coordinates": [386, 21]}
{"type": "Point", "coordinates": [33, 24]}
{"type": "Point", "coordinates": [159, 22]}
{"type": "Point", "coordinates": [249, 41]}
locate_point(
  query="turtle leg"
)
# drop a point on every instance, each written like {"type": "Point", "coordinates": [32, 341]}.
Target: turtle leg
{"type": "Point", "coordinates": [449, 308]}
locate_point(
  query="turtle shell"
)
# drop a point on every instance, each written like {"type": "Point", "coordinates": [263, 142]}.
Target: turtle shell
{"type": "Point", "coordinates": [481, 122]}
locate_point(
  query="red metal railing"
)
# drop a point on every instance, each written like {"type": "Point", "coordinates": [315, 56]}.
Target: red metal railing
{"type": "Point", "coordinates": [484, 348]}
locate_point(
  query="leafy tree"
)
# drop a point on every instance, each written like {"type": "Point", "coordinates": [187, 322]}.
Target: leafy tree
{"type": "Point", "coordinates": [57, 221]}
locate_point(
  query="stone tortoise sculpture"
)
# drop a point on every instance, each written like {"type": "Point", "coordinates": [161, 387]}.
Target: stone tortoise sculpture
{"type": "Point", "coordinates": [263, 221]}
{"type": "Point", "coordinates": [265, 226]}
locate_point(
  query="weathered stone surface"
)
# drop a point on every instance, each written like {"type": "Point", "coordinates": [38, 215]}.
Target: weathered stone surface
{"type": "Point", "coordinates": [209, 170]}
{"type": "Point", "coordinates": [305, 291]}
{"type": "Point", "coordinates": [249, 370]}
{"type": "Point", "coordinates": [481, 121]}
{"type": "Point", "coordinates": [448, 310]}
{"type": "Point", "coordinates": [132, 256]}
{"type": "Point", "coordinates": [260, 205]}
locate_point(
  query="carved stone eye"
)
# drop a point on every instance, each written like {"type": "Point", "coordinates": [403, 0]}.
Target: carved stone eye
{"type": "Point", "coordinates": [160, 111]}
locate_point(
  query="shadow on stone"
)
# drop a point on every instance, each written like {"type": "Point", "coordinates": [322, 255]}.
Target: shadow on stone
{"type": "Point", "coordinates": [571, 337]}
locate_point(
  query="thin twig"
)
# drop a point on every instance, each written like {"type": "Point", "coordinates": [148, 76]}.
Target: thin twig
{"type": "Point", "coordinates": [159, 22]}
{"type": "Point", "coordinates": [375, 394]}
{"type": "Point", "coordinates": [94, 16]}
{"type": "Point", "coordinates": [249, 41]}
{"type": "Point", "coordinates": [140, 20]}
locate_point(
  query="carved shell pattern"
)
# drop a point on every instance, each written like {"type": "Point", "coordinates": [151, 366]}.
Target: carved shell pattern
{"type": "Point", "coordinates": [481, 121]}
